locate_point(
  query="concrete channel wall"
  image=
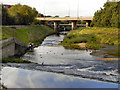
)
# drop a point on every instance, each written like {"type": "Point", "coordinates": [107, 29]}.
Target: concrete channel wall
{"type": "Point", "coordinates": [12, 47]}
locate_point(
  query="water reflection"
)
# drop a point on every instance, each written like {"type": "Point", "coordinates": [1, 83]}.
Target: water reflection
{"type": "Point", "coordinates": [51, 53]}
{"type": "Point", "coordinates": [21, 78]}
{"type": "Point", "coordinates": [79, 62]}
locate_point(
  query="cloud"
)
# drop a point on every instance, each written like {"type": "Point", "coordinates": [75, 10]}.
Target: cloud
{"type": "Point", "coordinates": [61, 7]}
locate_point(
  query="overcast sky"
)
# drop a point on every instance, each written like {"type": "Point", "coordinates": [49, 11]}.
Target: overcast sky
{"type": "Point", "coordinates": [62, 7]}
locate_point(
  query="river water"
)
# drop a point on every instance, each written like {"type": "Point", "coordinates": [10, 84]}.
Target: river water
{"type": "Point", "coordinates": [72, 68]}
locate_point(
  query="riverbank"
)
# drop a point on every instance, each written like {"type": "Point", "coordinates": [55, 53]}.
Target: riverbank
{"type": "Point", "coordinates": [34, 34]}
{"type": "Point", "coordinates": [14, 60]}
{"type": "Point", "coordinates": [30, 34]}
{"type": "Point", "coordinates": [93, 38]}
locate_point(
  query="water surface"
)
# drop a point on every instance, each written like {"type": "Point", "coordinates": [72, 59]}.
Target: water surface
{"type": "Point", "coordinates": [61, 68]}
{"type": "Point", "coordinates": [21, 78]}
{"type": "Point", "coordinates": [73, 62]}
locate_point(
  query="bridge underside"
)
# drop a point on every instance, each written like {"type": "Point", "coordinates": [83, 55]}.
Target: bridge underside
{"type": "Point", "coordinates": [73, 21]}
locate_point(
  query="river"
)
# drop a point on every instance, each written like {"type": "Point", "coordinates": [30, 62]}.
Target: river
{"type": "Point", "coordinates": [61, 68]}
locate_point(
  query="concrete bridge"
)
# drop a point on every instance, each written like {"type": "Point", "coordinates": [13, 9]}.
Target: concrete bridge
{"type": "Point", "coordinates": [73, 20]}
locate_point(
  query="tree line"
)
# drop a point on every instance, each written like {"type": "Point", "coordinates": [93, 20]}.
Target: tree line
{"type": "Point", "coordinates": [108, 16]}
{"type": "Point", "coordinates": [18, 15]}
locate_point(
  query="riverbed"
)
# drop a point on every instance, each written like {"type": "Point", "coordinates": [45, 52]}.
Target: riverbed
{"type": "Point", "coordinates": [56, 65]}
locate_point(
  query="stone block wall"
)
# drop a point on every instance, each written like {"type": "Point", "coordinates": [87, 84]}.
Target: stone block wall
{"type": "Point", "coordinates": [12, 47]}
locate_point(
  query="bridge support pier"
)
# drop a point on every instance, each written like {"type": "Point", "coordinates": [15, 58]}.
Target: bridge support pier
{"type": "Point", "coordinates": [73, 25]}
{"type": "Point", "coordinates": [55, 25]}
{"type": "Point", "coordinates": [88, 23]}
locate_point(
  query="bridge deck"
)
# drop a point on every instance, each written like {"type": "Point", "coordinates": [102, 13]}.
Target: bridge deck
{"type": "Point", "coordinates": [64, 19]}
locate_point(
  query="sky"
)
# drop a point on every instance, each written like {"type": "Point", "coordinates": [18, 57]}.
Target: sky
{"type": "Point", "coordinates": [62, 8]}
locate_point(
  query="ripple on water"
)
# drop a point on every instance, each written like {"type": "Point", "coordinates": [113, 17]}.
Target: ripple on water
{"type": "Point", "coordinates": [81, 62]}
{"type": "Point", "coordinates": [40, 79]}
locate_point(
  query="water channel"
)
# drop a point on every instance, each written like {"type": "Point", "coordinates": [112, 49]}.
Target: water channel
{"type": "Point", "coordinates": [61, 68]}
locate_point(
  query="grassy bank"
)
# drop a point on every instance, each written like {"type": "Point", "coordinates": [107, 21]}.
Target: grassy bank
{"type": "Point", "coordinates": [14, 60]}
{"type": "Point", "coordinates": [91, 37]}
{"type": "Point", "coordinates": [34, 34]}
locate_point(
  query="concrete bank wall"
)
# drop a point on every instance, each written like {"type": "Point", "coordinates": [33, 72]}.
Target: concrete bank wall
{"type": "Point", "coordinates": [12, 47]}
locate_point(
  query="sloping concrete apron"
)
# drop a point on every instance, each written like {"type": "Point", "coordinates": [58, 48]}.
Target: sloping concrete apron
{"type": "Point", "coordinates": [12, 47]}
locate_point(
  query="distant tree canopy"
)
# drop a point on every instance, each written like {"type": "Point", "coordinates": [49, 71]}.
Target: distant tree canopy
{"type": "Point", "coordinates": [48, 16]}
{"type": "Point", "coordinates": [18, 15]}
{"type": "Point", "coordinates": [56, 16]}
{"type": "Point", "coordinates": [109, 16]}
{"type": "Point", "coordinates": [40, 15]}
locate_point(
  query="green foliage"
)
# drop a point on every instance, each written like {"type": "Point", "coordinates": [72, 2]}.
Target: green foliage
{"type": "Point", "coordinates": [67, 16]}
{"type": "Point", "coordinates": [83, 22]}
{"type": "Point", "coordinates": [108, 16]}
{"type": "Point", "coordinates": [80, 39]}
{"type": "Point", "coordinates": [92, 36]}
{"type": "Point", "coordinates": [40, 15]}
{"type": "Point", "coordinates": [94, 46]}
{"type": "Point", "coordinates": [14, 60]}
{"type": "Point", "coordinates": [36, 22]}
{"type": "Point", "coordinates": [18, 15]}
{"type": "Point", "coordinates": [6, 20]}
{"type": "Point", "coordinates": [64, 22]}
{"type": "Point", "coordinates": [56, 16]}
{"type": "Point", "coordinates": [48, 16]}
{"type": "Point", "coordinates": [78, 22]}
{"type": "Point", "coordinates": [68, 28]}
{"type": "Point", "coordinates": [28, 34]}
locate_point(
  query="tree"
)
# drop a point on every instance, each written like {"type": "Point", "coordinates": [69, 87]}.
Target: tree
{"type": "Point", "coordinates": [48, 16]}
{"type": "Point", "coordinates": [23, 15]}
{"type": "Point", "coordinates": [40, 15]}
{"type": "Point", "coordinates": [56, 16]}
{"type": "Point", "coordinates": [108, 16]}
{"type": "Point", "coordinates": [67, 16]}
{"type": "Point", "coordinates": [6, 20]}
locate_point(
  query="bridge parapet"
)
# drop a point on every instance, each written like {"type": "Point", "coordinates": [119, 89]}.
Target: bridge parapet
{"type": "Point", "coordinates": [65, 19]}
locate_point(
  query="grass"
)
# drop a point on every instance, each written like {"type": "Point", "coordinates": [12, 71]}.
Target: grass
{"type": "Point", "coordinates": [93, 36]}
{"type": "Point", "coordinates": [14, 60]}
{"type": "Point", "coordinates": [35, 34]}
